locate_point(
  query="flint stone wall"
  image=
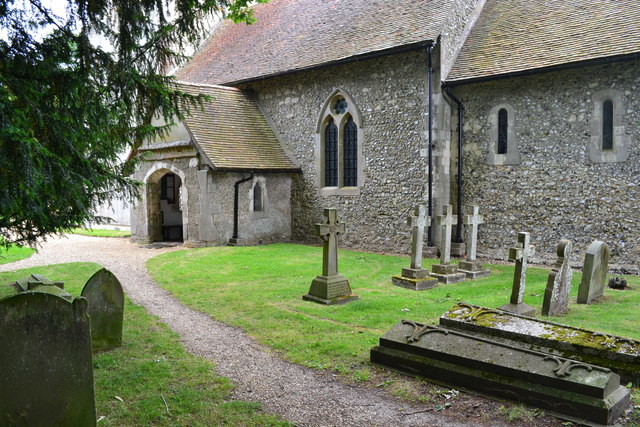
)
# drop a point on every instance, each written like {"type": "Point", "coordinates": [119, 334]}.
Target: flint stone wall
{"type": "Point", "coordinates": [556, 191]}
{"type": "Point", "coordinates": [391, 93]}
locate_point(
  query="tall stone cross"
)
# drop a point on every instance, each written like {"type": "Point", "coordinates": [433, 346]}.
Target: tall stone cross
{"type": "Point", "coordinates": [329, 231]}
{"type": "Point", "coordinates": [446, 220]}
{"type": "Point", "coordinates": [418, 222]}
{"type": "Point", "coordinates": [474, 220]}
{"type": "Point", "coordinates": [520, 254]}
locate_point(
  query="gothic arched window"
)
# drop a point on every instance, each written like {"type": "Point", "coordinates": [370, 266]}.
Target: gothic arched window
{"type": "Point", "coordinates": [340, 139]}
{"type": "Point", "coordinates": [331, 154]}
{"type": "Point", "coordinates": [258, 205]}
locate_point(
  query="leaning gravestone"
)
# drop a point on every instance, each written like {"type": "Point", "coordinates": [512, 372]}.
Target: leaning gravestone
{"type": "Point", "coordinates": [556, 294]}
{"type": "Point", "coordinates": [446, 272]}
{"type": "Point", "coordinates": [472, 267]}
{"type": "Point", "coordinates": [520, 254]}
{"type": "Point", "coordinates": [330, 287]}
{"type": "Point", "coordinates": [416, 277]}
{"type": "Point", "coordinates": [45, 354]}
{"type": "Point", "coordinates": [594, 272]}
{"type": "Point", "coordinates": [106, 309]}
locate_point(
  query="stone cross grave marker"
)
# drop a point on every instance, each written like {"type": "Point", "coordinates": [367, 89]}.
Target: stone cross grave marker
{"type": "Point", "coordinates": [446, 220]}
{"type": "Point", "coordinates": [418, 222]}
{"type": "Point", "coordinates": [473, 221]}
{"type": "Point", "coordinates": [45, 354]}
{"type": "Point", "coordinates": [520, 254]}
{"type": "Point", "coordinates": [471, 266]}
{"type": "Point", "coordinates": [446, 272]}
{"type": "Point", "coordinates": [594, 272]}
{"type": "Point", "coordinates": [330, 287]}
{"type": "Point", "coordinates": [106, 309]}
{"type": "Point", "coordinates": [556, 294]}
{"type": "Point", "coordinates": [416, 278]}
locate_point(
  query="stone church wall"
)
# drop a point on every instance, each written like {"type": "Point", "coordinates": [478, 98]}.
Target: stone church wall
{"type": "Point", "coordinates": [556, 190]}
{"type": "Point", "coordinates": [391, 94]}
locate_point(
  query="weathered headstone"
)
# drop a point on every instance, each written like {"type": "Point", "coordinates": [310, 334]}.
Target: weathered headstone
{"type": "Point", "coordinates": [472, 267]}
{"type": "Point", "coordinates": [594, 272]}
{"type": "Point", "coordinates": [556, 294]}
{"type": "Point", "coordinates": [621, 355]}
{"type": "Point", "coordinates": [579, 390]}
{"type": "Point", "coordinates": [446, 272]}
{"type": "Point", "coordinates": [106, 309]}
{"type": "Point", "coordinates": [45, 354]}
{"type": "Point", "coordinates": [330, 287]}
{"type": "Point", "coordinates": [416, 277]}
{"type": "Point", "coordinates": [520, 254]}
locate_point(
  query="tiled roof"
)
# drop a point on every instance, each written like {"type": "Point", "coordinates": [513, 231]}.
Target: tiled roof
{"type": "Point", "coordinates": [232, 132]}
{"type": "Point", "coordinates": [516, 35]}
{"type": "Point", "coordinates": [298, 34]}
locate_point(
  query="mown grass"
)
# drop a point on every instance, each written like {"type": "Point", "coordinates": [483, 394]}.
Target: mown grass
{"type": "Point", "coordinates": [99, 232]}
{"type": "Point", "coordinates": [259, 289]}
{"type": "Point", "coordinates": [15, 253]}
{"type": "Point", "coordinates": [133, 382]}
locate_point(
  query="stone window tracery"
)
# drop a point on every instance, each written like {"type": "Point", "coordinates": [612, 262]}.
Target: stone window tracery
{"type": "Point", "coordinates": [340, 146]}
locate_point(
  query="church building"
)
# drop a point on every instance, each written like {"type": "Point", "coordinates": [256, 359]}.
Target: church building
{"type": "Point", "coordinates": [528, 109]}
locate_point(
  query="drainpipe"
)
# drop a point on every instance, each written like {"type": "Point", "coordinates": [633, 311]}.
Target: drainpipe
{"type": "Point", "coordinates": [430, 203]}
{"type": "Point", "coordinates": [234, 239]}
{"type": "Point", "coordinates": [447, 90]}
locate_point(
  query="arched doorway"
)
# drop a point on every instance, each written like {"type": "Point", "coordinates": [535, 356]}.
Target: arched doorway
{"type": "Point", "coordinates": [164, 207]}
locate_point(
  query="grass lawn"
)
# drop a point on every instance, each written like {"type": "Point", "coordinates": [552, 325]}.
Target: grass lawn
{"type": "Point", "coordinates": [259, 289]}
{"type": "Point", "coordinates": [132, 381]}
{"type": "Point", "coordinates": [99, 232]}
{"type": "Point", "coordinates": [15, 253]}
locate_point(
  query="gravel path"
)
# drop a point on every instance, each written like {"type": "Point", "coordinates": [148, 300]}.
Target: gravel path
{"type": "Point", "coordinates": [298, 394]}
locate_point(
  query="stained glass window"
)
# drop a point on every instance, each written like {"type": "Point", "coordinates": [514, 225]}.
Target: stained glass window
{"type": "Point", "coordinates": [607, 125]}
{"type": "Point", "coordinates": [503, 128]}
{"type": "Point", "coordinates": [350, 148]}
{"type": "Point", "coordinates": [331, 154]}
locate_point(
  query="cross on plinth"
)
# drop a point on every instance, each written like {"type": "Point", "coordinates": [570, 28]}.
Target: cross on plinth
{"type": "Point", "coordinates": [330, 287]}
{"type": "Point", "coordinates": [520, 254]}
{"type": "Point", "coordinates": [329, 231]}
{"type": "Point", "coordinates": [418, 222]}
{"type": "Point", "coordinates": [446, 221]}
{"type": "Point", "coordinates": [474, 220]}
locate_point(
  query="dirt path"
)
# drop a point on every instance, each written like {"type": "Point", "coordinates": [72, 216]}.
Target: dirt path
{"type": "Point", "coordinates": [298, 394]}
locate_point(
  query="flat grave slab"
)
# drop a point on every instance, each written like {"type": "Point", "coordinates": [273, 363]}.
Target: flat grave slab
{"type": "Point", "coordinates": [621, 355]}
{"type": "Point", "coordinates": [578, 391]}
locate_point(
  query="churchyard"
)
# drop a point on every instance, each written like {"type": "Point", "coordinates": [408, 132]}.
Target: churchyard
{"type": "Point", "coordinates": [259, 289]}
{"type": "Point", "coordinates": [151, 379]}
{"type": "Point", "coordinates": [14, 253]}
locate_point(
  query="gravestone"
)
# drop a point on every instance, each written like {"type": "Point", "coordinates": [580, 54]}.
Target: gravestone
{"type": "Point", "coordinates": [106, 309]}
{"type": "Point", "coordinates": [446, 272]}
{"type": "Point", "coordinates": [556, 294]}
{"type": "Point", "coordinates": [330, 287]}
{"type": "Point", "coordinates": [416, 277]}
{"type": "Point", "coordinates": [574, 389]}
{"type": "Point", "coordinates": [620, 354]}
{"type": "Point", "coordinates": [594, 272]}
{"type": "Point", "coordinates": [520, 254]}
{"type": "Point", "coordinates": [45, 354]}
{"type": "Point", "coordinates": [39, 283]}
{"type": "Point", "coordinates": [472, 267]}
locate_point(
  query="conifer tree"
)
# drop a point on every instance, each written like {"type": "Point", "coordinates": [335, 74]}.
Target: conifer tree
{"type": "Point", "coordinates": [70, 106]}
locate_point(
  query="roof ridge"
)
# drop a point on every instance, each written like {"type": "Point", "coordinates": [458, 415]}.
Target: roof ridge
{"type": "Point", "coordinates": [229, 88]}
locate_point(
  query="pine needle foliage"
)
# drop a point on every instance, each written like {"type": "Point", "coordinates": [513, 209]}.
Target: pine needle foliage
{"type": "Point", "coordinates": [69, 106]}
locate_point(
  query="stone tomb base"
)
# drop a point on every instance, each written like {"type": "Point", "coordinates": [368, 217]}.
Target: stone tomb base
{"type": "Point", "coordinates": [458, 249]}
{"type": "Point", "coordinates": [521, 309]}
{"type": "Point", "coordinates": [416, 279]}
{"type": "Point", "coordinates": [447, 273]}
{"type": "Point", "coordinates": [621, 355]}
{"type": "Point", "coordinates": [575, 390]}
{"type": "Point", "coordinates": [473, 269]}
{"type": "Point", "coordinates": [330, 290]}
